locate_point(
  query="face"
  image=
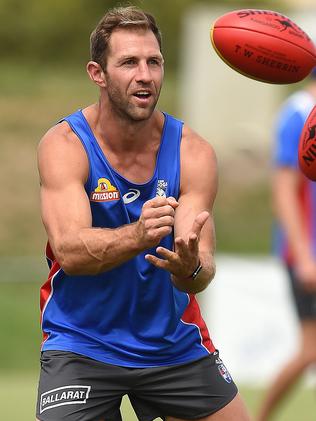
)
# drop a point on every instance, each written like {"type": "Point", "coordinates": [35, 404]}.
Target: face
{"type": "Point", "coordinates": [134, 73]}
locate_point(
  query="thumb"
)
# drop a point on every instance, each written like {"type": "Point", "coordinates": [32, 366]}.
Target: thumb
{"type": "Point", "coordinates": [199, 222]}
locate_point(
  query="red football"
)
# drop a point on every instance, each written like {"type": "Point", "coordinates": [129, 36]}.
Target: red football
{"type": "Point", "coordinates": [264, 45]}
{"type": "Point", "coordinates": [307, 147]}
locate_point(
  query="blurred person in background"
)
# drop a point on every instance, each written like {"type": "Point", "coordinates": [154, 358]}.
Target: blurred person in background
{"type": "Point", "coordinates": [294, 200]}
{"type": "Point", "coordinates": [130, 243]}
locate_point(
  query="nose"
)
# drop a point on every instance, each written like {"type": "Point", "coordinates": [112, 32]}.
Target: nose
{"type": "Point", "coordinates": [143, 73]}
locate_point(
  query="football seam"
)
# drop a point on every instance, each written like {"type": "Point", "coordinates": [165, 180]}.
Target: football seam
{"type": "Point", "coordinates": [264, 33]}
{"type": "Point", "coordinates": [238, 70]}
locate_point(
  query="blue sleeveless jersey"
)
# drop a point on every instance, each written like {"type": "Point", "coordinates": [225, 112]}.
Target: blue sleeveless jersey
{"type": "Point", "coordinates": [131, 315]}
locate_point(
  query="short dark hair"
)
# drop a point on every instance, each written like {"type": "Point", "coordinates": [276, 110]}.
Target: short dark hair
{"type": "Point", "coordinates": [119, 17]}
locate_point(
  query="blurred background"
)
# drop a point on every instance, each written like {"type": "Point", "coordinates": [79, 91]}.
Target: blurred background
{"type": "Point", "coordinates": [44, 48]}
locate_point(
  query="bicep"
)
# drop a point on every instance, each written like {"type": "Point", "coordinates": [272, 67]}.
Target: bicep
{"type": "Point", "coordinates": [63, 169]}
{"type": "Point", "coordinates": [64, 209]}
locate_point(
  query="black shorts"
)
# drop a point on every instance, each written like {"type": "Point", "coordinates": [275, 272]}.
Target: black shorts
{"type": "Point", "coordinates": [305, 302]}
{"type": "Point", "coordinates": [73, 387]}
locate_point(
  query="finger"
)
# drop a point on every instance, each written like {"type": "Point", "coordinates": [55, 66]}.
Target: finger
{"type": "Point", "coordinates": [187, 250]}
{"type": "Point", "coordinates": [180, 246]}
{"type": "Point", "coordinates": [167, 254]}
{"type": "Point", "coordinates": [159, 263]}
{"type": "Point", "coordinates": [162, 232]}
{"type": "Point", "coordinates": [164, 221]}
{"type": "Point", "coordinates": [172, 202]}
{"type": "Point", "coordinates": [158, 212]}
{"type": "Point", "coordinates": [193, 243]}
{"type": "Point", "coordinates": [166, 210]}
{"type": "Point", "coordinates": [156, 202]}
{"type": "Point", "coordinates": [199, 222]}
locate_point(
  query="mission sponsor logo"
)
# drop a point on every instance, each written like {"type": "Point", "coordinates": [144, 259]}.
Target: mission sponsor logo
{"type": "Point", "coordinates": [66, 395]}
{"type": "Point", "coordinates": [105, 192]}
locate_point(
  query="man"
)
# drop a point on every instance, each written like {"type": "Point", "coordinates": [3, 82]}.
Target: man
{"type": "Point", "coordinates": [127, 195]}
{"type": "Point", "coordinates": [294, 199]}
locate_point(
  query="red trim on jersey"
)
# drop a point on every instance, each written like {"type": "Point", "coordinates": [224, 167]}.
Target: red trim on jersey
{"type": "Point", "coordinates": [46, 289]}
{"type": "Point", "coordinates": [192, 315]}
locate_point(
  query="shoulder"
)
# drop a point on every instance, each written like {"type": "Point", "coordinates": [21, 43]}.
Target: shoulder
{"type": "Point", "coordinates": [60, 139]}
{"type": "Point", "coordinates": [61, 150]}
{"type": "Point", "coordinates": [59, 135]}
{"type": "Point", "coordinates": [196, 148]}
{"type": "Point", "coordinates": [198, 162]}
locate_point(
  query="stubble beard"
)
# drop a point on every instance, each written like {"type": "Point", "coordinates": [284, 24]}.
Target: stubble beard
{"type": "Point", "coordinates": [124, 109]}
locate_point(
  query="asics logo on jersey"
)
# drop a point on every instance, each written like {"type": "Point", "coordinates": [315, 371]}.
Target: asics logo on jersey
{"type": "Point", "coordinates": [130, 196]}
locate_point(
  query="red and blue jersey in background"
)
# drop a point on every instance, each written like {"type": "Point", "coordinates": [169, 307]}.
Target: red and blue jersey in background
{"type": "Point", "coordinates": [289, 125]}
{"type": "Point", "coordinates": [131, 315]}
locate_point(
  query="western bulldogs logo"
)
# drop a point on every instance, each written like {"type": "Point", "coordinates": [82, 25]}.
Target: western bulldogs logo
{"type": "Point", "coordinates": [224, 372]}
{"type": "Point", "coordinates": [162, 188]}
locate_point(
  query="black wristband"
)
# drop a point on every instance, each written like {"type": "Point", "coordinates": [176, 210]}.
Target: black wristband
{"type": "Point", "coordinates": [197, 271]}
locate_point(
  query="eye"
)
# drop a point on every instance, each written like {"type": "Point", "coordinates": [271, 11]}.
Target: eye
{"type": "Point", "coordinates": [154, 61]}
{"type": "Point", "coordinates": [129, 62]}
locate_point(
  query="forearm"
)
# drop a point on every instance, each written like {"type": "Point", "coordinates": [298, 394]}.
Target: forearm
{"type": "Point", "coordinates": [95, 250]}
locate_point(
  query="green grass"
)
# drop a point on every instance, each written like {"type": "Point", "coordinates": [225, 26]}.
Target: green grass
{"type": "Point", "coordinates": [19, 326]}
{"type": "Point", "coordinates": [300, 405]}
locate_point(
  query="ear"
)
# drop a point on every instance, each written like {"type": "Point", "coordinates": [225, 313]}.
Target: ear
{"type": "Point", "coordinates": [96, 73]}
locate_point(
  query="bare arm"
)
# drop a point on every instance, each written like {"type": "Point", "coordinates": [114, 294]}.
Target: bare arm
{"type": "Point", "coordinates": [78, 247]}
{"type": "Point", "coordinates": [194, 226]}
{"type": "Point", "coordinates": [289, 213]}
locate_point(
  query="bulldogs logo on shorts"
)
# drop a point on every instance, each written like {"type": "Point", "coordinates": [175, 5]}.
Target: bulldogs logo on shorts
{"type": "Point", "coordinates": [224, 373]}
{"type": "Point", "coordinates": [222, 368]}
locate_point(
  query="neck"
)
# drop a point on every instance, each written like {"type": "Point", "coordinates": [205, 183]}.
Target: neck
{"type": "Point", "coordinates": [121, 134]}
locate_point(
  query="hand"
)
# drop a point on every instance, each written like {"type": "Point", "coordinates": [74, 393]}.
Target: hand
{"type": "Point", "coordinates": [183, 261]}
{"type": "Point", "coordinates": [156, 220]}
